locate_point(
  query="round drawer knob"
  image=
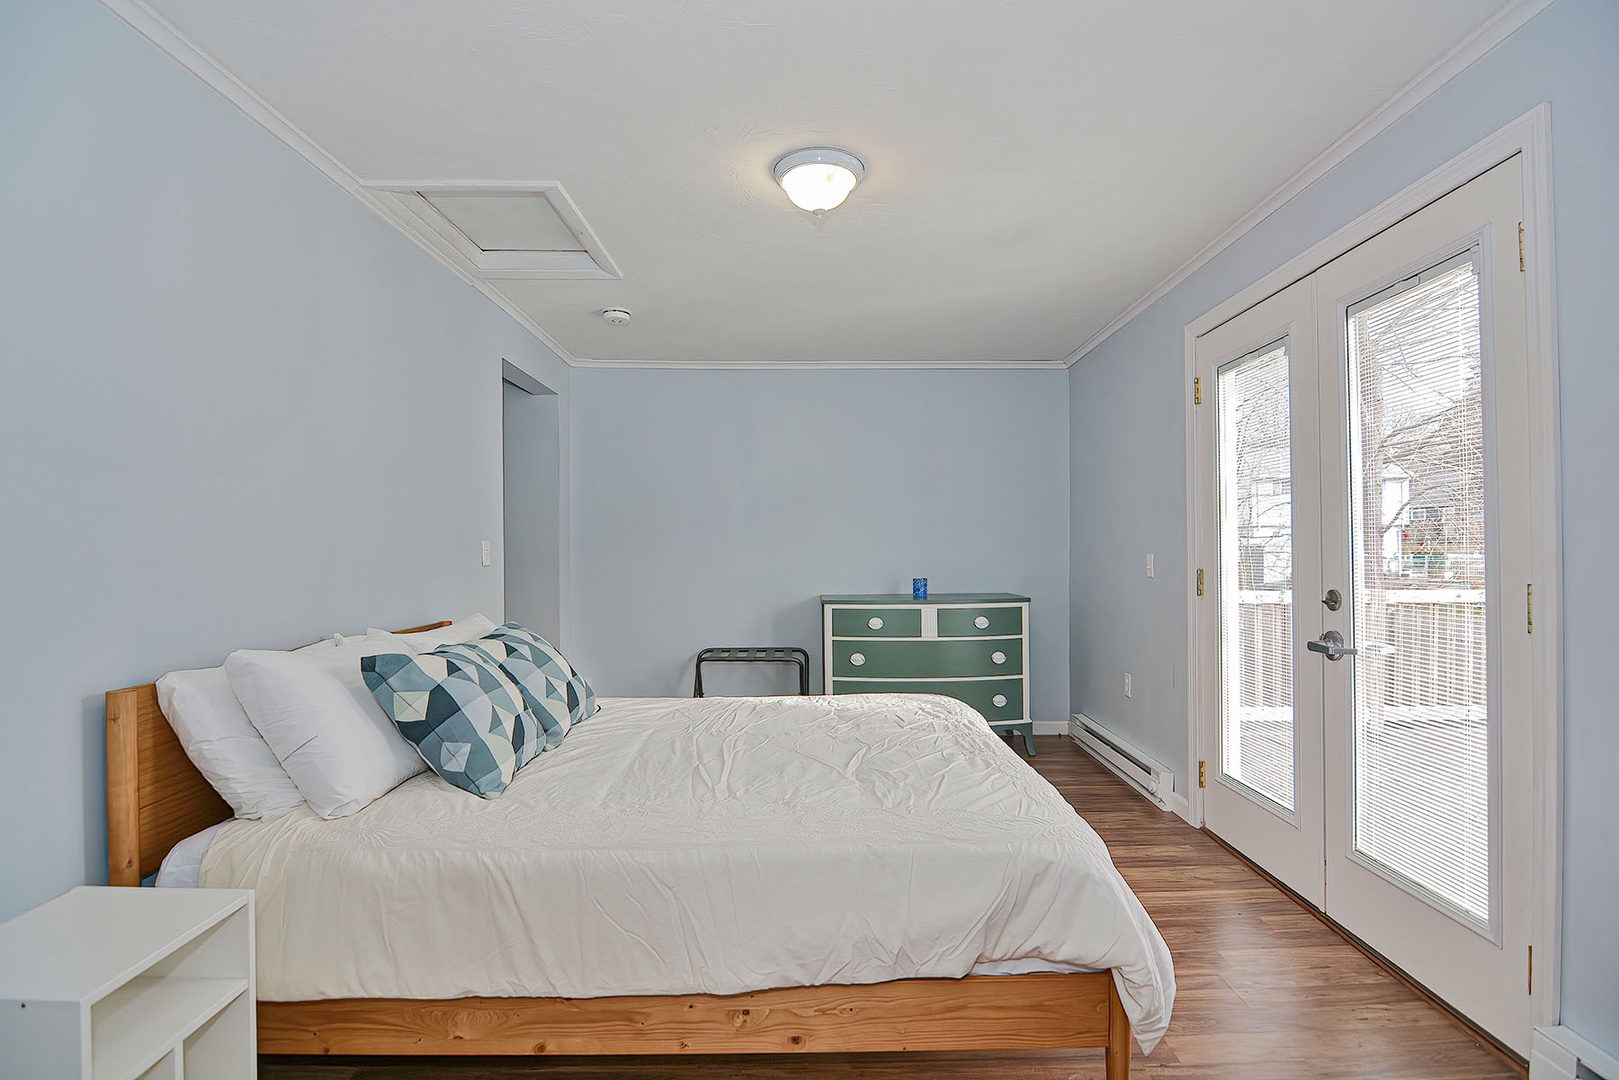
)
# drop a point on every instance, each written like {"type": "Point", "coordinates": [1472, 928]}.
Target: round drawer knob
{"type": "Point", "coordinates": [998, 656]}
{"type": "Point", "coordinates": [875, 622]}
{"type": "Point", "coordinates": [982, 622]}
{"type": "Point", "coordinates": [999, 701]}
{"type": "Point", "coordinates": [857, 658]}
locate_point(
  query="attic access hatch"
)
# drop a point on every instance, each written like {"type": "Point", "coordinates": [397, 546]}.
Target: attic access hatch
{"type": "Point", "coordinates": [501, 232]}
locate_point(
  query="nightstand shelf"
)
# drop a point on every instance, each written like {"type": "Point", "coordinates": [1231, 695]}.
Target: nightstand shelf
{"type": "Point", "coordinates": [141, 1021]}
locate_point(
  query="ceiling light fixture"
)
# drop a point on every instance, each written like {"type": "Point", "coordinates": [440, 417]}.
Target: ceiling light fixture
{"type": "Point", "coordinates": [819, 178]}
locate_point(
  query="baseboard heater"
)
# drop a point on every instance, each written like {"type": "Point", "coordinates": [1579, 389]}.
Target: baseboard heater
{"type": "Point", "coordinates": [1131, 764]}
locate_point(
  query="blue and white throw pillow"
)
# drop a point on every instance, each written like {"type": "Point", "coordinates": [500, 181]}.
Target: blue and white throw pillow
{"type": "Point", "coordinates": [544, 657]}
{"type": "Point", "coordinates": [543, 687]}
{"type": "Point", "coordinates": [461, 710]}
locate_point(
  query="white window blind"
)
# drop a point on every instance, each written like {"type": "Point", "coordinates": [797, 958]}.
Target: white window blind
{"type": "Point", "coordinates": [1421, 719]}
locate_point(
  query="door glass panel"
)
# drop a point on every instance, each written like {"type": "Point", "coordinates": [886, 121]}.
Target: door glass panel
{"type": "Point", "coordinates": [1255, 484]}
{"type": "Point", "coordinates": [1420, 727]}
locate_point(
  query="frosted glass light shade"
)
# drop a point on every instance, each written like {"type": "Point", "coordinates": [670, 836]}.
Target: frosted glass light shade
{"type": "Point", "coordinates": [818, 179]}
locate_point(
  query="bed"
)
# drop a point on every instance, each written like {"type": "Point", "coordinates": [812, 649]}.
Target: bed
{"type": "Point", "coordinates": [793, 969]}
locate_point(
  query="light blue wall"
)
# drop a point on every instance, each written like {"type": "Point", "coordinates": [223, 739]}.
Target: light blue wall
{"type": "Point", "coordinates": [235, 409]}
{"type": "Point", "coordinates": [714, 508]}
{"type": "Point", "coordinates": [1128, 452]}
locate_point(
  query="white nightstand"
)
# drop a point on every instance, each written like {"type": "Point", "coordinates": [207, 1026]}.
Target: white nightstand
{"type": "Point", "coordinates": [120, 984]}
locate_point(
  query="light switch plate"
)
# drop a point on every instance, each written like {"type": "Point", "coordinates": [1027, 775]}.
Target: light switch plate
{"type": "Point", "coordinates": [488, 553]}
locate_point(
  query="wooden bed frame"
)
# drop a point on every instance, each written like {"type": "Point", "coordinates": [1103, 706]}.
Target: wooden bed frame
{"type": "Point", "coordinates": [156, 798]}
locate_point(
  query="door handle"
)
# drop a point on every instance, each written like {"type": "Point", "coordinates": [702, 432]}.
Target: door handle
{"type": "Point", "coordinates": [1331, 645]}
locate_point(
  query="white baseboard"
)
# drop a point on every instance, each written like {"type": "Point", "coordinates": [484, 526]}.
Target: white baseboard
{"type": "Point", "coordinates": [1558, 1053]}
{"type": "Point", "coordinates": [1051, 727]}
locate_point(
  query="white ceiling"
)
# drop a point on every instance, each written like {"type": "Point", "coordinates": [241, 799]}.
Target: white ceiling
{"type": "Point", "coordinates": [1033, 167]}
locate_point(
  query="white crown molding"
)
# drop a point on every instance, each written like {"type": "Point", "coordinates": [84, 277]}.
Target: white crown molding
{"type": "Point", "coordinates": [171, 41]}
{"type": "Point", "coordinates": [1500, 26]}
{"type": "Point", "coordinates": [824, 365]}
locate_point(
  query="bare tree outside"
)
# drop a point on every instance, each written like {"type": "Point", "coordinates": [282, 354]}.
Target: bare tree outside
{"type": "Point", "coordinates": [1256, 568]}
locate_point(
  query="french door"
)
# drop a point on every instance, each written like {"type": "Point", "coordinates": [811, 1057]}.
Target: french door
{"type": "Point", "coordinates": [1364, 536]}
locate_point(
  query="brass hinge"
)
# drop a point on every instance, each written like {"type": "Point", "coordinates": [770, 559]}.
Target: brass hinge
{"type": "Point", "coordinates": [1529, 604]}
{"type": "Point", "coordinates": [1520, 247]}
{"type": "Point", "coordinates": [1200, 581]}
{"type": "Point", "coordinates": [1202, 774]}
{"type": "Point", "coordinates": [1531, 970]}
{"type": "Point", "coordinates": [1197, 391]}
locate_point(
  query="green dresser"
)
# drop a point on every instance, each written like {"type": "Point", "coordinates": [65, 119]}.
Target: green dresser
{"type": "Point", "coordinates": [971, 646]}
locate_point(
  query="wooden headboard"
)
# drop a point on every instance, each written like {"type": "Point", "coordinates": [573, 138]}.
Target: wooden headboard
{"type": "Point", "coordinates": [155, 796]}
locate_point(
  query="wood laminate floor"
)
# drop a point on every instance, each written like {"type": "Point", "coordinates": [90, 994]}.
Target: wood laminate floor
{"type": "Point", "coordinates": [1266, 991]}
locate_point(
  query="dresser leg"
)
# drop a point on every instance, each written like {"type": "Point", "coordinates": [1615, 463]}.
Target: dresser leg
{"type": "Point", "coordinates": [1028, 739]}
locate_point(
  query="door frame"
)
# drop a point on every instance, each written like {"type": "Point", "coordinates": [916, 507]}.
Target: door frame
{"type": "Point", "coordinates": [518, 379]}
{"type": "Point", "coordinates": [1530, 136]}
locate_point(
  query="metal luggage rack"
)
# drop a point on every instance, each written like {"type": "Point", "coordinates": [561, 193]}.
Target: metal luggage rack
{"type": "Point", "coordinates": [784, 654]}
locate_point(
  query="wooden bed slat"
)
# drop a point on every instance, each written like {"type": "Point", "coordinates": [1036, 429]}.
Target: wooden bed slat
{"type": "Point", "coordinates": [980, 1012]}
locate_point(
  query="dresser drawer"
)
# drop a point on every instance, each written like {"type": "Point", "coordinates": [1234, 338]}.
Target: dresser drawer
{"type": "Point", "coordinates": [980, 622]}
{"type": "Point", "coordinates": [982, 694]}
{"type": "Point", "coordinates": [876, 622]}
{"type": "Point", "coordinates": [936, 659]}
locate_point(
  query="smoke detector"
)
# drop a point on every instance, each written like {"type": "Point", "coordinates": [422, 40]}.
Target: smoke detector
{"type": "Point", "coordinates": [616, 317]}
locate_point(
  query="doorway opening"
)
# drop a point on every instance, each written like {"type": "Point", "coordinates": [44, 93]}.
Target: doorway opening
{"type": "Point", "coordinates": [531, 465]}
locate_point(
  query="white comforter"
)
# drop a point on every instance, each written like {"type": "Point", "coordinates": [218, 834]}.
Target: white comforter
{"type": "Point", "coordinates": [714, 846]}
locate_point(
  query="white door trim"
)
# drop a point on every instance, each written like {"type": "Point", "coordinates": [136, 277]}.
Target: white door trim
{"type": "Point", "coordinates": [1529, 135]}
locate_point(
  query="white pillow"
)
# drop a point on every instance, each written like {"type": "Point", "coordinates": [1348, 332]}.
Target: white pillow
{"type": "Point", "coordinates": [314, 711]}
{"type": "Point", "coordinates": [338, 641]}
{"type": "Point", "coordinates": [470, 628]}
{"type": "Point", "coordinates": [224, 745]}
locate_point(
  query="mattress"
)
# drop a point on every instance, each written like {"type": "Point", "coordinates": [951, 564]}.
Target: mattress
{"type": "Point", "coordinates": [182, 868]}
{"type": "Point", "coordinates": [711, 845]}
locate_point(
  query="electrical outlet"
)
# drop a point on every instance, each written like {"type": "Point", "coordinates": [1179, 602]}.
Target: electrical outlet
{"type": "Point", "coordinates": [1149, 566]}
{"type": "Point", "coordinates": [488, 553]}
{"type": "Point", "coordinates": [1126, 684]}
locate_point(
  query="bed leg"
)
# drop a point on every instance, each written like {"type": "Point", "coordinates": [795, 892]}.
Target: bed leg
{"type": "Point", "coordinates": [1118, 1036]}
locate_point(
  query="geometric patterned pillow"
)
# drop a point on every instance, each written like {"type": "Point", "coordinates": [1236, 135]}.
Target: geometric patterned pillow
{"type": "Point", "coordinates": [580, 698]}
{"type": "Point", "coordinates": [543, 688]}
{"type": "Point", "coordinates": [461, 711]}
